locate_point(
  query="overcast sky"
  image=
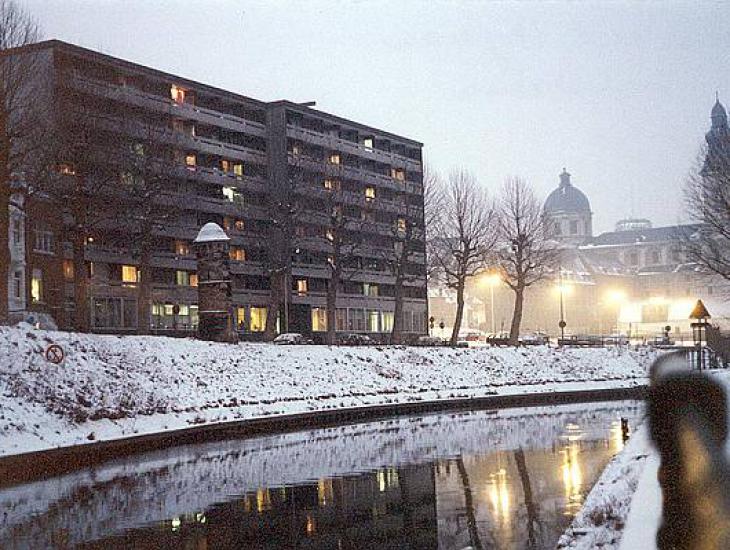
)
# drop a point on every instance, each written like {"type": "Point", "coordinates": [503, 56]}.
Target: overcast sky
{"type": "Point", "coordinates": [619, 93]}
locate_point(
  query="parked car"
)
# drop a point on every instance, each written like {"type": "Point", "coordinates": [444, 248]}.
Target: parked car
{"type": "Point", "coordinates": [429, 341]}
{"type": "Point", "coordinates": [291, 338]}
{"type": "Point", "coordinates": [498, 339]}
{"type": "Point", "coordinates": [472, 337]}
{"type": "Point", "coordinates": [355, 339]}
{"type": "Point", "coordinates": [534, 339]}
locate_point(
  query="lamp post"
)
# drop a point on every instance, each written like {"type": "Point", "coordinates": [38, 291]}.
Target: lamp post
{"type": "Point", "coordinates": [561, 289]}
{"type": "Point", "coordinates": [699, 315]}
{"type": "Point", "coordinates": [491, 280]}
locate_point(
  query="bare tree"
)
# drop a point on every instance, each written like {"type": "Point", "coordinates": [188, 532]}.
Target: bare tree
{"type": "Point", "coordinates": [19, 118]}
{"type": "Point", "coordinates": [707, 199]}
{"type": "Point", "coordinates": [526, 254]}
{"type": "Point", "coordinates": [466, 234]}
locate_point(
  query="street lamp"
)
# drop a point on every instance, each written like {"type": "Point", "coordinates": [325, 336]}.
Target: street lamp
{"type": "Point", "coordinates": [699, 316]}
{"type": "Point", "coordinates": [492, 280]}
{"type": "Point", "coordinates": [562, 289]}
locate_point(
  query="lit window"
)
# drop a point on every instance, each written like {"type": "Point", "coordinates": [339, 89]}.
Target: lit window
{"type": "Point", "coordinates": [335, 158]}
{"type": "Point", "coordinates": [373, 320]}
{"type": "Point", "coordinates": [36, 286]}
{"type": "Point", "coordinates": [398, 174]}
{"type": "Point", "coordinates": [369, 289]}
{"type": "Point", "coordinates": [331, 184]}
{"type": "Point", "coordinates": [238, 170]}
{"type": "Point", "coordinates": [177, 94]}
{"type": "Point", "coordinates": [241, 317]}
{"type": "Point", "coordinates": [231, 194]}
{"type": "Point", "coordinates": [44, 242]}
{"type": "Point", "coordinates": [237, 253]}
{"type": "Point", "coordinates": [193, 279]}
{"type": "Point", "coordinates": [182, 248]}
{"type": "Point", "coordinates": [239, 225]}
{"type": "Point", "coordinates": [226, 165]}
{"type": "Point", "coordinates": [319, 319]}
{"type": "Point", "coordinates": [401, 225]}
{"type": "Point", "coordinates": [138, 149]}
{"type": "Point", "coordinates": [66, 168]}
{"type": "Point", "coordinates": [296, 150]}
{"type": "Point", "coordinates": [329, 235]}
{"type": "Point", "coordinates": [302, 287]}
{"type": "Point", "coordinates": [258, 319]}
{"type": "Point", "coordinates": [191, 161]}
{"type": "Point", "coordinates": [182, 278]}
{"type": "Point", "coordinates": [129, 274]}
{"type": "Point", "coordinates": [68, 270]}
{"type": "Point", "coordinates": [368, 142]}
{"type": "Point", "coordinates": [369, 193]}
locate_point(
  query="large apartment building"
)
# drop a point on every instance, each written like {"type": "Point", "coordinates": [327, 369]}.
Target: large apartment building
{"type": "Point", "coordinates": [224, 158]}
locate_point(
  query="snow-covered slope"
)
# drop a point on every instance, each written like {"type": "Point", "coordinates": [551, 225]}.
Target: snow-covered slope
{"type": "Point", "coordinates": [116, 386]}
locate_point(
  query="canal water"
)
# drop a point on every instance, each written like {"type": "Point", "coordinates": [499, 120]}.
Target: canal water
{"type": "Point", "coordinates": [511, 478]}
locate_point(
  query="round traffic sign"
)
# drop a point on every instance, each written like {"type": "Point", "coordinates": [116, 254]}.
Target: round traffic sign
{"type": "Point", "coordinates": [562, 324]}
{"type": "Point", "coordinates": [54, 354]}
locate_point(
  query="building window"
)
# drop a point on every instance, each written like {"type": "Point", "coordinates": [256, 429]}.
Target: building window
{"type": "Point", "coordinates": [329, 235]}
{"type": "Point", "coordinates": [341, 319]}
{"type": "Point", "coordinates": [129, 274]}
{"type": "Point", "coordinates": [401, 225]}
{"type": "Point", "coordinates": [368, 142]}
{"type": "Point", "coordinates": [557, 228]}
{"type": "Point", "coordinates": [302, 287]}
{"type": "Point", "coordinates": [237, 253]}
{"type": "Point", "coordinates": [193, 279]}
{"type": "Point", "coordinates": [177, 94]}
{"type": "Point", "coordinates": [331, 184]}
{"type": "Point", "coordinates": [655, 257]}
{"type": "Point", "coordinates": [182, 278]}
{"type": "Point", "coordinates": [36, 286]}
{"type": "Point", "coordinates": [191, 161]}
{"type": "Point", "coordinates": [387, 321]}
{"type": "Point", "coordinates": [356, 319]}
{"type": "Point", "coordinates": [335, 158]}
{"type": "Point", "coordinates": [319, 319]}
{"type": "Point", "coordinates": [239, 225]}
{"type": "Point", "coordinates": [68, 270]}
{"type": "Point", "coordinates": [633, 258]}
{"type": "Point", "coordinates": [296, 149]}
{"type": "Point", "coordinates": [67, 169]}
{"type": "Point", "coordinates": [241, 317]}
{"type": "Point", "coordinates": [18, 285]}
{"type": "Point", "coordinates": [369, 193]}
{"type": "Point", "coordinates": [369, 289]}
{"type": "Point", "coordinates": [182, 248]}
{"type": "Point", "coordinates": [231, 194]}
{"type": "Point", "coordinates": [258, 319]}
{"type": "Point", "coordinates": [43, 241]}
{"type": "Point", "coordinates": [17, 230]}
{"type": "Point", "coordinates": [398, 174]}
{"type": "Point", "coordinates": [373, 320]}
{"type": "Point", "coordinates": [238, 169]}
{"type": "Point", "coordinates": [574, 227]}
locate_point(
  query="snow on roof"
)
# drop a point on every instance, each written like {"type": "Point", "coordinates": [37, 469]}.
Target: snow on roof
{"type": "Point", "coordinates": [211, 232]}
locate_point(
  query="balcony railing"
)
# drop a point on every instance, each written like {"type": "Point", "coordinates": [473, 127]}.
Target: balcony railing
{"type": "Point", "coordinates": [139, 98]}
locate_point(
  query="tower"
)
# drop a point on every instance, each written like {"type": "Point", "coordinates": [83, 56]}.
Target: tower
{"type": "Point", "coordinates": [570, 212]}
{"type": "Point", "coordinates": [216, 321]}
{"type": "Point", "coordinates": [718, 139]}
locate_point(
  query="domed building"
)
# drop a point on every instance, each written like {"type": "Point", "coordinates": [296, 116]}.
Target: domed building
{"type": "Point", "coordinates": [570, 212]}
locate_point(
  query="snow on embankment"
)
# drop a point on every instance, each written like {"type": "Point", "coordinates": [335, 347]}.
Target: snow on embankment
{"type": "Point", "coordinates": [116, 386]}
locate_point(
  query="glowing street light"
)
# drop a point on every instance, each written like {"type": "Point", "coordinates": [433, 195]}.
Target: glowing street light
{"type": "Point", "coordinates": [562, 289]}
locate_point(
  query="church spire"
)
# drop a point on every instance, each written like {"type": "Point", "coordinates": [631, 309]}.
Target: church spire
{"type": "Point", "coordinates": [718, 114]}
{"type": "Point", "coordinates": [564, 178]}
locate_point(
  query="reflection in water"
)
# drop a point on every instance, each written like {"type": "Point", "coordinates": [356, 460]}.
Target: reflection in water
{"type": "Point", "coordinates": [484, 479]}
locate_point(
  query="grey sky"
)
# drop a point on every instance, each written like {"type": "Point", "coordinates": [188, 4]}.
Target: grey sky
{"type": "Point", "coordinates": [619, 93]}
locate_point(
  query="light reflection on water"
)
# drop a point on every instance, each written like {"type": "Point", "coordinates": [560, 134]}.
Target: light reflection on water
{"type": "Point", "coordinates": [482, 479]}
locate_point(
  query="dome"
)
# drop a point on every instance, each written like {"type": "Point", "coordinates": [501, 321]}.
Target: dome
{"type": "Point", "coordinates": [567, 198]}
{"type": "Point", "coordinates": [211, 232]}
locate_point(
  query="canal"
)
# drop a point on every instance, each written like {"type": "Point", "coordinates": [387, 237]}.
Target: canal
{"type": "Point", "coordinates": [509, 478]}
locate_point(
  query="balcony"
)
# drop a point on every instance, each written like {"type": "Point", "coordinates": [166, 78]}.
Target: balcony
{"type": "Point", "coordinates": [139, 98]}
{"type": "Point", "coordinates": [335, 143]}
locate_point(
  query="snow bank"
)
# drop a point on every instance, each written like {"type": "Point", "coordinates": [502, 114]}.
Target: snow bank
{"type": "Point", "coordinates": [116, 386]}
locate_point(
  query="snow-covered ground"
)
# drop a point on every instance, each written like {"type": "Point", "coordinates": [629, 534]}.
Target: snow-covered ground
{"type": "Point", "coordinates": [111, 387]}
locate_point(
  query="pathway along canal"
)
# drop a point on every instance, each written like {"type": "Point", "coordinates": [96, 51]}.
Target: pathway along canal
{"type": "Point", "coordinates": [509, 478]}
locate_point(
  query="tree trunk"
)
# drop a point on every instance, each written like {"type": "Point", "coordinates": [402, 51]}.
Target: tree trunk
{"type": "Point", "coordinates": [4, 248]}
{"type": "Point", "coordinates": [144, 294]}
{"type": "Point", "coordinates": [459, 312]}
{"type": "Point", "coordinates": [276, 298]}
{"type": "Point", "coordinates": [396, 334]}
{"type": "Point", "coordinates": [81, 283]}
{"type": "Point", "coordinates": [471, 521]}
{"type": "Point", "coordinates": [514, 331]}
{"type": "Point", "coordinates": [530, 505]}
{"type": "Point", "coordinates": [332, 287]}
